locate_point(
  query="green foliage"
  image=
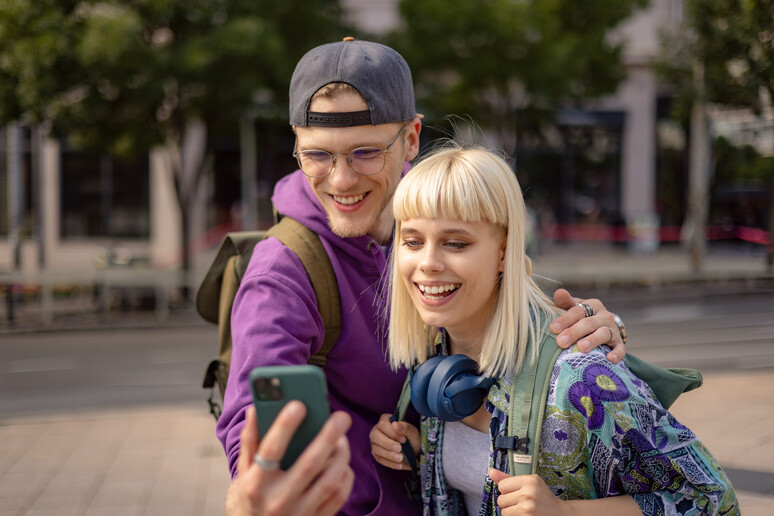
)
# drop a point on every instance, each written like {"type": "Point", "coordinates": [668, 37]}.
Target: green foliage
{"type": "Point", "coordinates": [126, 75]}
{"type": "Point", "coordinates": [734, 42]}
{"type": "Point", "coordinates": [488, 58]}
{"type": "Point", "coordinates": [740, 165]}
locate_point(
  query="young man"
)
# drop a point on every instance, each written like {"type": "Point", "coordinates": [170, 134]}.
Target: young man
{"type": "Point", "coordinates": [352, 110]}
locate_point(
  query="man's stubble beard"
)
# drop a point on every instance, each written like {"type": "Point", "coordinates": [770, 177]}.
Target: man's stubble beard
{"type": "Point", "coordinates": [356, 230]}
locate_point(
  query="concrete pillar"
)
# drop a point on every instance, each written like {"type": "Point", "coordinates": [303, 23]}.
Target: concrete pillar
{"type": "Point", "coordinates": [638, 181]}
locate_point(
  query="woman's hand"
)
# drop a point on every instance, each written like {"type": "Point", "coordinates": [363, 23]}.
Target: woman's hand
{"type": "Point", "coordinates": [319, 482]}
{"type": "Point", "coordinates": [526, 495]}
{"type": "Point", "coordinates": [386, 439]}
{"type": "Point", "coordinates": [589, 332]}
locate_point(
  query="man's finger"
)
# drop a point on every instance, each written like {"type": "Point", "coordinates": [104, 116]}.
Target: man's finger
{"type": "Point", "coordinates": [335, 472]}
{"type": "Point", "coordinates": [248, 441]}
{"type": "Point", "coordinates": [313, 459]}
{"type": "Point", "coordinates": [564, 299]}
{"type": "Point", "coordinates": [275, 443]}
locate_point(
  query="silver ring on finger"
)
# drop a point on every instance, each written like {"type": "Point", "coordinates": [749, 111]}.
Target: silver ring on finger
{"type": "Point", "coordinates": [611, 334]}
{"type": "Point", "coordinates": [587, 309]}
{"type": "Point", "coordinates": [264, 464]}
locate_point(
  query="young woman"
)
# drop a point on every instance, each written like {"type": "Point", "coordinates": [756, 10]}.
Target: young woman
{"type": "Point", "coordinates": [461, 284]}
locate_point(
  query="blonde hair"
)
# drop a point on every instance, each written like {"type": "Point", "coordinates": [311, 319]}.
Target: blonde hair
{"type": "Point", "coordinates": [470, 184]}
{"type": "Point", "coordinates": [333, 90]}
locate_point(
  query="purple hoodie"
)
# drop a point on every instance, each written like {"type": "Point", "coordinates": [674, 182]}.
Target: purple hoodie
{"type": "Point", "coordinates": [275, 321]}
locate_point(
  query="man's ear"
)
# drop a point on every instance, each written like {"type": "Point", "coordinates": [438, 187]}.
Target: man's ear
{"type": "Point", "coordinates": [412, 139]}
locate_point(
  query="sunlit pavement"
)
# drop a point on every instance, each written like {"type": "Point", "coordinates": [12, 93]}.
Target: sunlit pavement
{"type": "Point", "coordinates": [166, 460]}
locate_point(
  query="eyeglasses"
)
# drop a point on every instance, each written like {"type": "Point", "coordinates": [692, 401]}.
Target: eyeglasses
{"type": "Point", "coordinates": [365, 161]}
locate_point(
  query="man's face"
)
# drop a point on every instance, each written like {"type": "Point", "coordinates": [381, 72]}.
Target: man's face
{"type": "Point", "coordinates": [358, 205]}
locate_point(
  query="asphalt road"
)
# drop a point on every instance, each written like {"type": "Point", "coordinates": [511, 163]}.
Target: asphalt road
{"type": "Point", "coordinates": [113, 367]}
{"type": "Point", "coordinates": [104, 368]}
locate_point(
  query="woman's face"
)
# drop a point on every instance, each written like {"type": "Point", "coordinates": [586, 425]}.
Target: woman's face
{"type": "Point", "coordinates": [450, 268]}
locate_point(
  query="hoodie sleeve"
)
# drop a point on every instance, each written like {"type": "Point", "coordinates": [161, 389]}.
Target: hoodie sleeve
{"type": "Point", "coordinates": [274, 321]}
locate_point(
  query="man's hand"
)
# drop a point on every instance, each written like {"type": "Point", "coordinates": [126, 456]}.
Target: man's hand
{"type": "Point", "coordinates": [319, 482]}
{"type": "Point", "coordinates": [589, 332]}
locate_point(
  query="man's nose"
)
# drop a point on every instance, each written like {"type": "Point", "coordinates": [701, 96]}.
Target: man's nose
{"type": "Point", "coordinates": [342, 176]}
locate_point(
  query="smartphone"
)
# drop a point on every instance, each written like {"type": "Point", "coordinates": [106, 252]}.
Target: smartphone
{"type": "Point", "coordinates": [272, 387]}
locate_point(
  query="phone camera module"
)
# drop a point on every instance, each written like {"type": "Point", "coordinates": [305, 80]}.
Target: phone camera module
{"type": "Point", "coordinates": [269, 389]}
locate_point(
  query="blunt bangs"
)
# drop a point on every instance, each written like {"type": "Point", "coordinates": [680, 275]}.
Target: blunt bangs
{"type": "Point", "coordinates": [450, 185]}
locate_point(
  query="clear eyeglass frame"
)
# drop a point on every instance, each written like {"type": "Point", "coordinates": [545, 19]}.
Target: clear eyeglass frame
{"type": "Point", "coordinates": [364, 161]}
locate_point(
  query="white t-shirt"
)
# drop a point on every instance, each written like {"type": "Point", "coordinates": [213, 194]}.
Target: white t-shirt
{"type": "Point", "coordinates": [465, 460]}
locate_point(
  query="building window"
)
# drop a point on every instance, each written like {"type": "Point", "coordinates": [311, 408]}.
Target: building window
{"type": "Point", "coordinates": [16, 192]}
{"type": "Point", "coordinates": [104, 196]}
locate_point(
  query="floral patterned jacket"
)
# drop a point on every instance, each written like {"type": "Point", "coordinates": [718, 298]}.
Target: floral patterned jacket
{"type": "Point", "coordinates": [604, 434]}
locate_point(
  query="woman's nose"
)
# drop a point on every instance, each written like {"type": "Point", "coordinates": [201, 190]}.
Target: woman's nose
{"type": "Point", "coordinates": [430, 260]}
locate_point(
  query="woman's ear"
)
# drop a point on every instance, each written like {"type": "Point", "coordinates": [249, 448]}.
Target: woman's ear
{"type": "Point", "coordinates": [501, 265]}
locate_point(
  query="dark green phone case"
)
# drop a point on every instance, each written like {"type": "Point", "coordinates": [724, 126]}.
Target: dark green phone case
{"type": "Point", "coordinates": [272, 387]}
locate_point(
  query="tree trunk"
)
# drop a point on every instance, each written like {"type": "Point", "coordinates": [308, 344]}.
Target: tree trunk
{"type": "Point", "coordinates": [695, 227]}
{"type": "Point", "coordinates": [770, 247]}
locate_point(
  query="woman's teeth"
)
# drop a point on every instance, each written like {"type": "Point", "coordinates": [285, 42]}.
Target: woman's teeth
{"type": "Point", "coordinates": [438, 290]}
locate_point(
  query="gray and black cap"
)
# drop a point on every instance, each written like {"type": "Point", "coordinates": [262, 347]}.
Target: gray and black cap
{"type": "Point", "coordinates": [379, 73]}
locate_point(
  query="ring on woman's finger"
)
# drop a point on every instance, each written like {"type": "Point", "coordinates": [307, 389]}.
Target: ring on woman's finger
{"type": "Point", "coordinates": [264, 464]}
{"type": "Point", "coordinates": [611, 334]}
{"type": "Point", "coordinates": [587, 309]}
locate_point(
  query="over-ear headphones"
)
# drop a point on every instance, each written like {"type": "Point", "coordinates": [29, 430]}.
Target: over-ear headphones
{"type": "Point", "coordinates": [448, 387]}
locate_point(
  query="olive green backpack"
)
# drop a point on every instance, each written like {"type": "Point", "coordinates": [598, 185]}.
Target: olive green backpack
{"type": "Point", "coordinates": [216, 293]}
{"type": "Point", "coordinates": [529, 391]}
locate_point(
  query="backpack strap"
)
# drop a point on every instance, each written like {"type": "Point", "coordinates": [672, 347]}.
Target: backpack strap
{"type": "Point", "coordinates": [309, 249]}
{"type": "Point", "coordinates": [529, 390]}
{"type": "Point", "coordinates": [215, 296]}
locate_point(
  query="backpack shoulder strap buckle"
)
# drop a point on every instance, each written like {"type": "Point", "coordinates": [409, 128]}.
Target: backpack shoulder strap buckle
{"type": "Point", "coordinates": [512, 442]}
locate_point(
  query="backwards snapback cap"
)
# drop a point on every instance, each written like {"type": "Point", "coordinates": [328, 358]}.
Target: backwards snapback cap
{"type": "Point", "coordinates": [379, 73]}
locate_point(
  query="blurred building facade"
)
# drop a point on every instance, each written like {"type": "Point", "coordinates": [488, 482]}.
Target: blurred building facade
{"type": "Point", "coordinates": [69, 209]}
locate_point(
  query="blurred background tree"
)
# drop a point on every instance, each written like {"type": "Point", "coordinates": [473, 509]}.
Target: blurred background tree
{"type": "Point", "coordinates": [122, 77]}
{"type": "Point", "coordinates": [732, 43]}
{"type": "Point", "coordinates": [490, 58]}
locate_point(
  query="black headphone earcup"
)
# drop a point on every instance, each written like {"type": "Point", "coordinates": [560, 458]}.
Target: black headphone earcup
{"type": "Point", "coordinates": [420, 380]}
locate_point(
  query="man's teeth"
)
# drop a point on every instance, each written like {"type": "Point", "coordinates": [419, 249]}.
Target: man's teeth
{"type": "Point", "coordinates": [437, 289]}
{"type": "Point", "coordinates": [348, 200]}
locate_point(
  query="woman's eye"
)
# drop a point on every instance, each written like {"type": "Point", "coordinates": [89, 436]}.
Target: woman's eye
{"type": "Point", "coordinates": [457, 245]}
{"type": "Point", "coordinates": [412, 243]}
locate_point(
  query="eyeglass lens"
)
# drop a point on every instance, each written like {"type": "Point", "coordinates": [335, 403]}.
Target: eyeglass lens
{"type": "Point", "coordinates": [364, 161]}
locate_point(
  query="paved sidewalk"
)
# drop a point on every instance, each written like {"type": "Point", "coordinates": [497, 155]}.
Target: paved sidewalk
{"type": "Point", "coordinates": [151, 461]}
{"type": "Point", "coordinates": [606, 265]}
{"type": "Point", "coordinates": [166, 460]}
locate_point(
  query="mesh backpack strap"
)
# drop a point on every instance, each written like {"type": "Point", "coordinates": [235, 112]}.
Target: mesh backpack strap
{"type": "Point", "coordinates": [309, 249]}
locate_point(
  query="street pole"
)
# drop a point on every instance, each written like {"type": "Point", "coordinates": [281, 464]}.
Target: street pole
{"type": "Point", "coordinates": [15, 192]}
{"type": "Point", "coordinates": [249, 170]}
{"type": "Point", "coordinates": [15, 206]}
{"type": "Point", "coordinates": [695, 228]}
